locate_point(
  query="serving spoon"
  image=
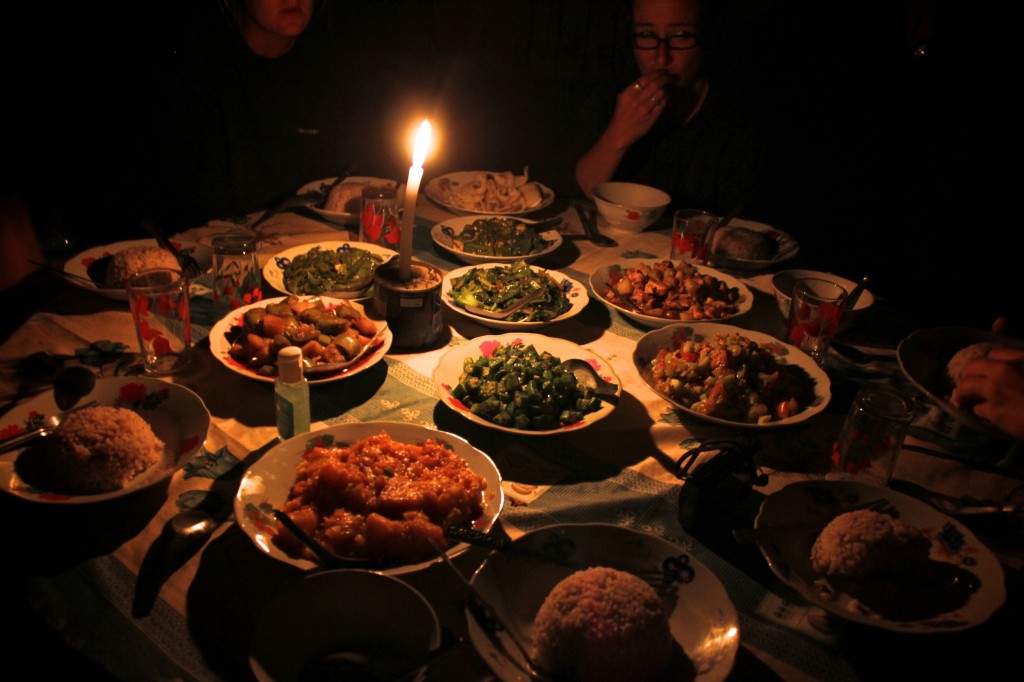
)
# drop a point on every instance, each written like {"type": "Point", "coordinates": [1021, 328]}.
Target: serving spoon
{"type": "Point", "coordinates": [504, 313]}
{"type": "Point", "coordinates": [326, 557]}
{"type": "Point", "coordinates": [588, 376]}
{"type": "Point", "coordinates": [48, 426]}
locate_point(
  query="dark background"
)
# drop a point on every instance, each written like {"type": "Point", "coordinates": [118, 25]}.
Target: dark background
{"type": "Point", "coordinates": [886, 164]}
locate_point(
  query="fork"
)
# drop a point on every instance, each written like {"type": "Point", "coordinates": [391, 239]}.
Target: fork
{"type": "Point", "coordinates": [188, 263]}
{"type": "Point", "coordinates": [488, 619]}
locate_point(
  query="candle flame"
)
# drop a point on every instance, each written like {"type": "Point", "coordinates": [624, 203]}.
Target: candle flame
{"type": "Point", "coordinates": [419, 154]}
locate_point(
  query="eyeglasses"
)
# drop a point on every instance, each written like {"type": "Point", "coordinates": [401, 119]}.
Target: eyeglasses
{"type": "Point", "coordinates": [677, 41]}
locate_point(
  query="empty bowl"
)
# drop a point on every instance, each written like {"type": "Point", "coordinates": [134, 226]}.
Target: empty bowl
{"type": "Point", "coordinates": [345, 610]}
{"type": "Point", "coordinates": [782, 285]}
{"type": "Point", "coordinates": [630, 206]}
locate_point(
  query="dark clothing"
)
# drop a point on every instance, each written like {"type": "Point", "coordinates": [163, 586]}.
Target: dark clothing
{"type": "Point", "coordinates": [715, 161]}
{"type": "Point", "coordinates": [232, 132]}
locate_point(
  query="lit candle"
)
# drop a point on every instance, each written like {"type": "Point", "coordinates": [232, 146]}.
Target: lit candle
{"type": "Point", "coordinates": [412, 189]}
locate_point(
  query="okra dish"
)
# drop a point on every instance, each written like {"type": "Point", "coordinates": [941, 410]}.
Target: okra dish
{"type": "Point", "coordinates": [518, 387]}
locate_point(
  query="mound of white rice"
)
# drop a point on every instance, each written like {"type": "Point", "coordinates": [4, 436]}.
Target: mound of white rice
{"type": "Point", "coordinates": [865, 543]}
{"type": "Point", "coordinates": [963, 357]}
{"type": "Point", "coordinates": [99, 449]}
{"type": "Point", "coordinates": [602, 624]}
{"type": "Point", "coordinates": [127, 262]}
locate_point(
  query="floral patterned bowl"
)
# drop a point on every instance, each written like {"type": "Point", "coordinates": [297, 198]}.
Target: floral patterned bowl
{"type": "Point", "coordinates": [177, 416]}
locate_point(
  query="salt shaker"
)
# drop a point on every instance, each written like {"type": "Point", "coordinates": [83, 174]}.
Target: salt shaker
{"type": "Point", "coordinates": [291, 394]}
{"type": "Point", "coordinates": [872, 435]}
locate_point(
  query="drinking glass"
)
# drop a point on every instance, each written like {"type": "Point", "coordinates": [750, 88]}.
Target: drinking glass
{"type": "Point", "coordinates": [872, 435]}
{"type": "Point", "coordinates": [378, 219]}
{"type": "Point", "coordinates": [158, 300]}
{"type": "Point", "coordinates": [689, 230]}
{"type": "Point", "coordinates": [236, 272]}
{"type": "Point", "coordinates": [814, 314]}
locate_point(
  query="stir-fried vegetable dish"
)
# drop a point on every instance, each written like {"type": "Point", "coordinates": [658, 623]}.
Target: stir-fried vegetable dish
{"type": "Point", "coordinates": [518, 387]}
{"type": "Point", "coordinates": [675, 292]}
{"type": "Point", "coordinates": [318, 271]}
{"type": "Point", "coordinates": [731, 377]}
{"type": "Point", "coordinates": [499, 237]}
{"type": "Point", "coordinates": [325, 334]}
{"type": "Point", "coordinates": [500, 288]}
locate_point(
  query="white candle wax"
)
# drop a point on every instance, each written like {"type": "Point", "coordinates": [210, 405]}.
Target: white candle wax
{"type": "Point", "coordinates": [412, 190]}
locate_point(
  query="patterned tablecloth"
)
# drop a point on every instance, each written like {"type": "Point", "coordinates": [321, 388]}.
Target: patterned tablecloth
{"type": "Point", "coordinates": [619, 471]}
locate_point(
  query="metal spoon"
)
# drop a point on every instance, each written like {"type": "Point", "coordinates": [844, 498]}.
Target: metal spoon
{"type": "Point", "coordinates": [181, 538]}
{"type": "Point", "coordinates": [588, 376]}
{"type": "Point", "coordinates": [328, 367]}
{"type": "Point", "coordinates": [505, 312]}
{"type": "Point", "coordinates": [851, 299]}
{"type": "Point", "coordinates": [590, 226]}
{"type": "Point", "coordinates": [326, 557]}
{"type": "Point", "coordinates": [48, 426]}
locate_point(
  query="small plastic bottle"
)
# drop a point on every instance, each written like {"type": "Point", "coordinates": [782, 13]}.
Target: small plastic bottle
{"type": "Point", "coordinates": [291, 394]}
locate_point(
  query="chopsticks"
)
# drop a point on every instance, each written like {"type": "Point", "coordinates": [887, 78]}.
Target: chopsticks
{"type": "Point", "coordinates": [63, 273]}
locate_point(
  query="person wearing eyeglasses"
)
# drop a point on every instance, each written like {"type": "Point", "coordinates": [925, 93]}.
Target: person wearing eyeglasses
{"type": "Point", "coordinates": [672, 127]}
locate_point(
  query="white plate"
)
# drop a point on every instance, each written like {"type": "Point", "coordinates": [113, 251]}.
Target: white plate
{"type": "Point", "coordinates": [273, 271]}
{"type": "Point", "coordinates": [600, 276]}
{"type": "Point", "coordinates": [449, 369]}
{"type": "Point", "coordinates": [219, 344]}
{"type": "Point", "coordinates": [703, 620]}
{"type": "Point", "coordinates": [267, 483]}
{"type": "Point", "coordinates": [443, 232]}
{"type": "Point", "coordinates": [319, 189]}
{"type": "Point", "coordinates": [576, 292]}
{"type": "Point", "coordinates": [436, 190]}
{"type": "Point", "coordinates": [815, 503]}
{"type": "Point", "coordinates": [924, 355]}
{"type": "Point", "coordinates": [78, 266]}
{"type": "Point", "coordinates": [307, 619]}
{"type": "Point", "coordinates": [788, 247]}
{"type": "Point", "coordinates": [653, 341]}
{"type": "Point", "coordinates": [177, 416]}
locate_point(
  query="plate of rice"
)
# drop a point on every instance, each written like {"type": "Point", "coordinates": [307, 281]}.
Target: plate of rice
{"type": "Point", "coordinates": [931, 358]}
{"type": "Point", "coordinates": [104, 269]}
{"type": "Point", "coordinates": [749, 245]}
{"type": "Point", "coordinates": [341, 202]}
{"type": "Point", "coordinates": [878, 557]}
{"type": "Point", "coordinates": [140, 431]}
{"type": "Point", "coordinates": [397, 491]}
{"type": "Point", "coordinates": [557, 591]}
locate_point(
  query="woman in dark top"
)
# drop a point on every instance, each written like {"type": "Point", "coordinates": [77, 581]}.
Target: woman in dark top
{"type": "Point", "coordinates": [673, 126]}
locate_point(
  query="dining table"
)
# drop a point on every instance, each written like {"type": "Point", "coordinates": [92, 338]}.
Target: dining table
{"type": "Point", "coordinates": [74, 568]}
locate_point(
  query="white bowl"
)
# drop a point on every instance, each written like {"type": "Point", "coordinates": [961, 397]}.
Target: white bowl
{"type": "Point", "coordinates": [448, 373]}
{"type": "Point", "coordinates": [782, 285]}
{"type": "Point", "coordinates": [574, 291]}
{"type": "Point", "coordinates": [630, 206]}
{"type": "Point", "coordinates": [266, 485]}
{"type": "Point", "coordinates": [341, 610]}
{"type": "Point", "coordinates": [177, 416]}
